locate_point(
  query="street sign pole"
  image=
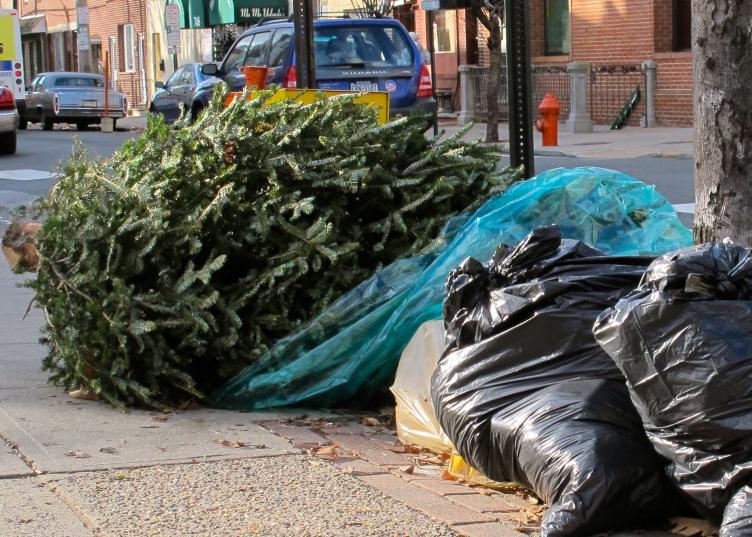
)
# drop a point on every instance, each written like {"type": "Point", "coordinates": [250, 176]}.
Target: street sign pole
{"type": "Point", "coordinates": [83, 46]}
{"type": "Point", "coordinates": [304, 54]}
{"type": "Point", "coordinates": [172, 19]}
{"type": "Point", "coordinates": [519, 87]}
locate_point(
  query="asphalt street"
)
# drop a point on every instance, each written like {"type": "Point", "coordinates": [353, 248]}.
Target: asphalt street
{"type": "Point", "coordinates": [45, 151]}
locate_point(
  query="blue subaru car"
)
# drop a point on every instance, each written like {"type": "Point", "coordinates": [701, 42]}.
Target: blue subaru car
{"type": "Point", "coordinates": [351, 54]}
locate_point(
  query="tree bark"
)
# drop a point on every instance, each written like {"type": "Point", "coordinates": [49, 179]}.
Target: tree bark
{"type": "Point", "coordinates": [492, 22]}
{"type": "Point", "coordinates": [722, 52]}
{"type": "Point", "coordinates": [494, 81]}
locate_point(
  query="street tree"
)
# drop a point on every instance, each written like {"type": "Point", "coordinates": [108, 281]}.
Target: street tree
{"type": "Point", "coordinates": [490, 13]}
{"type": "Point", "coordinates": [722, 52]}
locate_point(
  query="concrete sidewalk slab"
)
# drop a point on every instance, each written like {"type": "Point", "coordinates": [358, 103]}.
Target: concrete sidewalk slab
{"type": "Point", "coordinates": [11, 465]}
{"type": "Point", "coordinates": [61, 435]}
{"type": "Point", "coordinates": [603, 143]}
{"type": "Point", "coordinates": [29, 510]}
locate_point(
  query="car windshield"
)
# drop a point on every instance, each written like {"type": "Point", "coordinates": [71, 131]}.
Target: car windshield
{"type": "Point", "coordinates": [78, 82]}
{"type": "Point", "coordinates": [362, 46]}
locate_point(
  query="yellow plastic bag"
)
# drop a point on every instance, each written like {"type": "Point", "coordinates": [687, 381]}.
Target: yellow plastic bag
{"type": "Point", "coordinates": [459, 470]}
{"type": "Point", "coordinates": [416, 420]}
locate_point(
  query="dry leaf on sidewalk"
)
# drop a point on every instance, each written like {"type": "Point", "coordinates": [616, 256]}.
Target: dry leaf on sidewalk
{"type": "Point", "coordinates": [238, 444]}
{"type": "Point", "coordinates": [327, 452]}
{"type": "Point", "coordinates": [407, 469]}
{"type": "Point", "coordinates": [160, 418]}
{"type": "Point", "coordinates": [371, 422]}
{"type": "Point", "coordinates": [77, 454]}
{"type": "Point", "coordinates": [692, 527]}
{"type": "Point", "coordinates": [109, 450]}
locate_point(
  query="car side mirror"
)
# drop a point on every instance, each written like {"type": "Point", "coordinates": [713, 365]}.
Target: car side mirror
{"type": "Point", "coordinates": [210, 69]}
{"type": "Point", "coordinates": [159, 85]}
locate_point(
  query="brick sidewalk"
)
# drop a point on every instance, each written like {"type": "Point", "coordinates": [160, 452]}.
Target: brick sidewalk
{"type": "Point", "coordinates": [375, 456]}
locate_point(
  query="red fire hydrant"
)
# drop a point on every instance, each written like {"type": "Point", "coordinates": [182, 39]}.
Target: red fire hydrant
{"type": "Point", "coordinates": [549, 108]}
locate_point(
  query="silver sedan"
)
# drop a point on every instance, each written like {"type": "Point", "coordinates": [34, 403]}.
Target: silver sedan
{"type": "Point", "coordinates": [68, 97]}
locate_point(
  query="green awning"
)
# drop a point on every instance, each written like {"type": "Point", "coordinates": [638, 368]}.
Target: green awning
{"type": "Point", "coordinates": [197, 15]}
{"type": "Point", "coordinates": [221, 12]}
{"type": "Point", "coordinates": [250, 11]}
{"type": "Point", "coordinates": [183, 12]}
{"type": "Point", "coordinates": [245, 11]}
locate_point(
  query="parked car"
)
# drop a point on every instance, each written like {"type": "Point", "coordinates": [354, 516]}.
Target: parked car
{"type": "Point", "coordinates": [68, 97]}
{"type": "Point", "coordinates": [178, 90]}
{"type": "Point", "coordinates": [351, 54]}
{"type": "Point", "coordinates": [8, 121]}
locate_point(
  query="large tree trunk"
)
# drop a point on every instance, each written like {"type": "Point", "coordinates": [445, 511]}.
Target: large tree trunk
{"type": "Point", "coordinates": [494, 81]}
{"type": "Point", "coordinates": [722, 48]}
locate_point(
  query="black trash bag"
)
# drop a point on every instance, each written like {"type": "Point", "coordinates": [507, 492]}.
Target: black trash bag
{"type": "Point", "coordinates": [526, 394]}
{"type": "Point", "coordinates": [684, 342]}
{"type": "Point", "coordinates": [737, 518]}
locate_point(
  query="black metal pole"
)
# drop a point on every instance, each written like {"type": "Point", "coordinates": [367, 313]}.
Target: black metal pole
{"type": "Point", "coordinates": [519, 87]}
{"type": "Point", "coordinates": [429, 39]}
{"type": "Point", "coordinates": [304, 60]}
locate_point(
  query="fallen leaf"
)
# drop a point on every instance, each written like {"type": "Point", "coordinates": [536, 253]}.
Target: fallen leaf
{"type": "Point", "coordinates": [406, 469]}
{"type": "Point", "coordinates": [150, 426]}
{"type": "Point", "coordinates": [160, 418]}
{"type": "Point", "coordinates": [406, 449]}
{"type": "Point", "coordinates": [110, 450]}
{"type": "Point", "coordinates": [327, 452]}
{"type": "Point", "coordinates": [447, 476]}
{"type": "Point", "coordinates": [692, 527]}
{"type": "Point", "coordinates": [231, 443]}
{"type": "Point", "coordinates": [77, 454]}
{"type": "Point", "coordinates": [371, 422]}
{"type": "Point", "coordinates": [431, 460]}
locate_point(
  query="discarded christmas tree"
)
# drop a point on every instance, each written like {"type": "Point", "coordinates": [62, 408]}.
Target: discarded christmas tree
{"type": "Point", "coordinates": [169, 267]}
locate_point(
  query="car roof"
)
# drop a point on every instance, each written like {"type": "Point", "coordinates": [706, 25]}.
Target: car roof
{"type": "Point", "coordinates": [341, 22]}
{"type": "Point", "coordinates": [71, 73]}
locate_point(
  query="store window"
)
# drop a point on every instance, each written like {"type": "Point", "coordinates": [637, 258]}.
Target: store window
{"type": "Point", "coordinates": [682, 25]}
{"type": "Point", "coordinates": [557, 27]}
{"type": "Point", "coordinates": [444, 31]}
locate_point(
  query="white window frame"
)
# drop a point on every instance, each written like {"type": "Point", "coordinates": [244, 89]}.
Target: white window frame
{"type": "Point", "coordinates": [128, 48]}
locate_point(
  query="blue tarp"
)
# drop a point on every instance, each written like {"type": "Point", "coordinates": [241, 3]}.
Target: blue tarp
{"type": "Point", "coordinates": [350, 352]}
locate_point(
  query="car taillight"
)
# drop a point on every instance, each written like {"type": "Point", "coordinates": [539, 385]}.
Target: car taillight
{"type": "Point", "coordinates": [56, 105]}
{"type": "Point", "coordinates": [424, 83]}
{"type": "Point", "coordinates": [7, 101]}
{"type": "Point", "coordinates": [291, 78]}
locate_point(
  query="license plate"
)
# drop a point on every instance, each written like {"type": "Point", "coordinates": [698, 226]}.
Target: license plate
{"type": "Point", "coordinates": [90, 104]}
{"type": "Point", "coordinates": [364, 86]}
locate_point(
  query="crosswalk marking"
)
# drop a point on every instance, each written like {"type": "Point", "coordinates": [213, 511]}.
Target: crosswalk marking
{"type": "Point", "coordinates": [26, 175]}
{"type": "Point", "coordinates": [686, 208]}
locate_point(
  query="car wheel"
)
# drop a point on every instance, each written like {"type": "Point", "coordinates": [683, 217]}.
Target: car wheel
{"type": "Point", "coordinates": [82, 126]}
{"type": "Point", "coordinates": [47, 123]}
{"type": "Point", "coordinates": [8, 142]}
{"type": "Point", "coordinates": [196, 109]}
{"type": "Point", "coordinates": [22, 124]}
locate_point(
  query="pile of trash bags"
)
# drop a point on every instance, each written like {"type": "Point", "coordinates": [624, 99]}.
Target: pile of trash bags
{"type": "Point", "coordinates": [619, 389]}
{"type": "Point", "coordinates": [350, 352]}
{"type": "Point", "coordinates": [683, 341]}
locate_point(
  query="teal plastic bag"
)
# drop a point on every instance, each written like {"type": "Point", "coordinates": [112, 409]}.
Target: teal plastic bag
{"type": "Point", "coordinates": [350, 352]}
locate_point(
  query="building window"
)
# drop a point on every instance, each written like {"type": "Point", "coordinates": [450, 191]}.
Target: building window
{"type": "Point", "coordinates": [444, 30]}
{"type": "Point", "coordinates": [556, 15]}
{"type": "Point", "coordinates": [127, 47]}
{"type": "Point", "coordinates": [682, 25]}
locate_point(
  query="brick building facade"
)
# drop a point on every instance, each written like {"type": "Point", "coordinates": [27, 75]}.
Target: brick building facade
{"type": "Point", "coordinates": [611, 35]}
{"type": "Point", "coordinates": [132, 31]}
